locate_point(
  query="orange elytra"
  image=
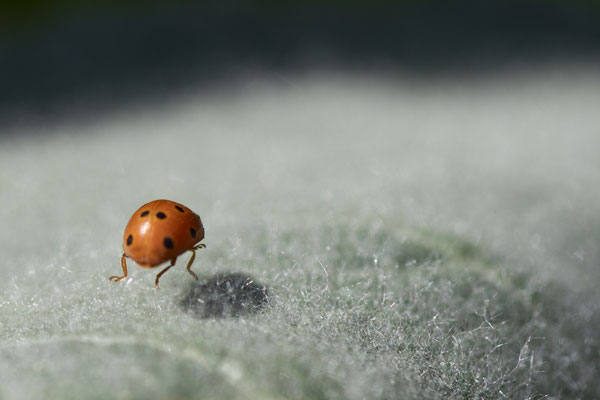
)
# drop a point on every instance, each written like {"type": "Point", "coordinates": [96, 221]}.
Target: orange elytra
{"type": "Point", "coordinates": [161, 231]}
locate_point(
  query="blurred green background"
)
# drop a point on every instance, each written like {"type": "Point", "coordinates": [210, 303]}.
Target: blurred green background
{"type": "Point", "coordinates": [67, 58]}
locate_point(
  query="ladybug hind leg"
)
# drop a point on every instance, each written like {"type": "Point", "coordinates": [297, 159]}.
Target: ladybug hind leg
{"type": "Point", "coordinates": [193, 257]}
{"type": "Point", "coordinates": [116, 278]}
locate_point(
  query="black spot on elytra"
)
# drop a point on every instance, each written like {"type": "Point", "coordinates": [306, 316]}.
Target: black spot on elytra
{"type": "Point", "coordinates": [129, 240]}
{"type": "Point", "coordinates": [168, 242]}
{"type": "Point", "coordinates": [179, 208]}
{"type": "Point", "coordinates": [193, 232]}
{"type": "Point", "coordinates": [144, 213]}
{"type": "Point", "coordinates": [161, 215]}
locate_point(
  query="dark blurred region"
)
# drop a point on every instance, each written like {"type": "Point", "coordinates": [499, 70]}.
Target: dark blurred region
{"type": "Point", "coordinates": [60, 60]}
{"type": "Point", "coordinates": [225, 295]}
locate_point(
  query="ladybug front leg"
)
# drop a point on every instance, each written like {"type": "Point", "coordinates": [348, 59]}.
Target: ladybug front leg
{"type": "Point", "coordinates": [162, 272]}
{"type": "Point", "coordinates": [124, 266]}
{"type": "Point", "coordinates": [193, 257]}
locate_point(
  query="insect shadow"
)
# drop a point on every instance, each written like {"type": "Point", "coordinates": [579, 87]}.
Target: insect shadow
{"type": "Point", "coordinates": [225, 295]}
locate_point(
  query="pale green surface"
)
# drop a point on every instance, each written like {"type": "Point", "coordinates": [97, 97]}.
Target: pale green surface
{"type": "Point", "coordinates": [418, 241]}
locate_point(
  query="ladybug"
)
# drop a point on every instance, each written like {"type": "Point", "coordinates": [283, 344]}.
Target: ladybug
{"type": "Point", "coordinates": [161, 231]}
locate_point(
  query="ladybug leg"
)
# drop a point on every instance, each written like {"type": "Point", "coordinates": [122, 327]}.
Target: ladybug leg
{"type": "Point", "coordinates": [192, 258]}
{"type": "Point", "coordinates": [124, 266]}
{"type": "Point", "coordinates": [200, 246]}
{"type": "Point", "coordinates": [162, 272]}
